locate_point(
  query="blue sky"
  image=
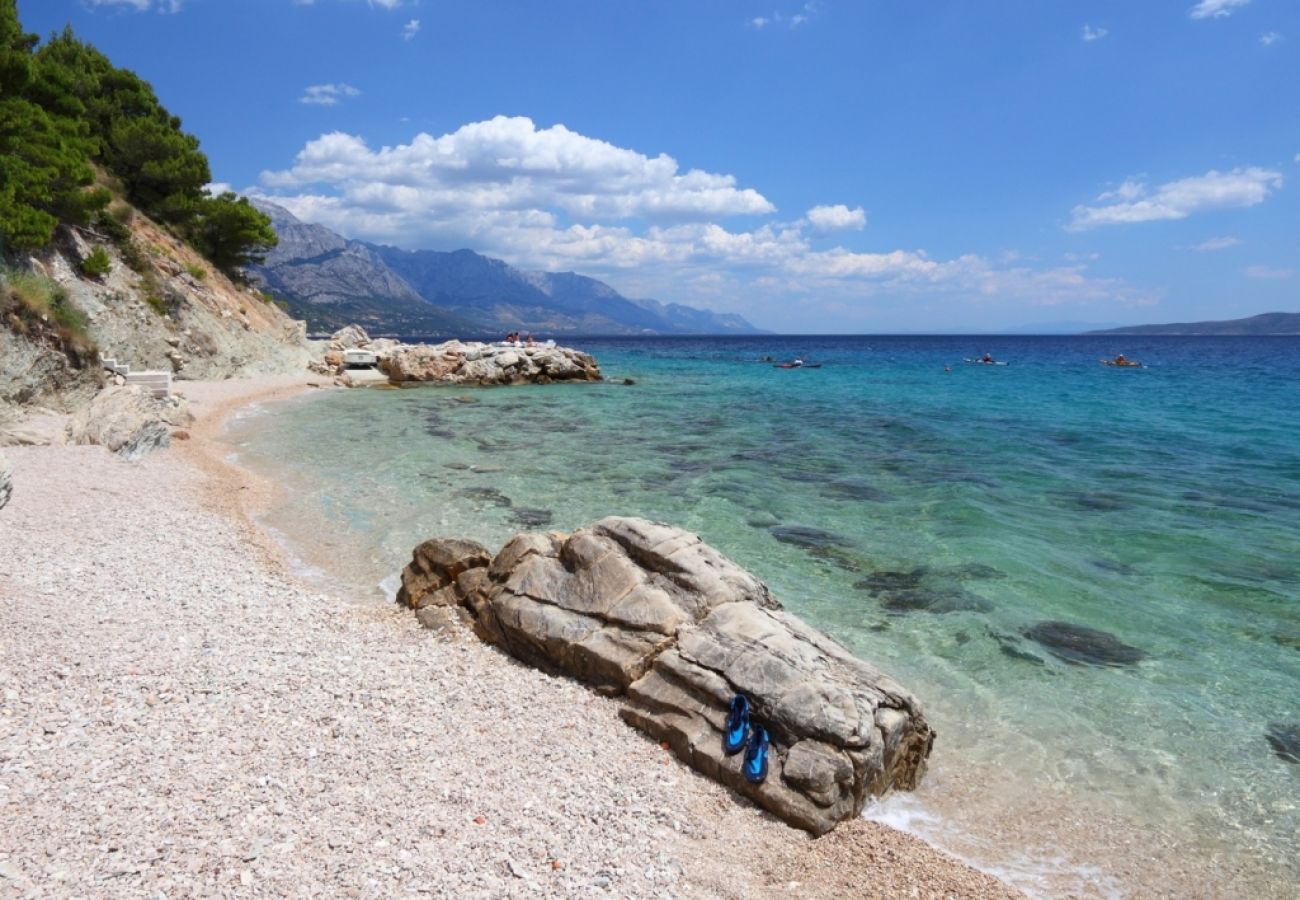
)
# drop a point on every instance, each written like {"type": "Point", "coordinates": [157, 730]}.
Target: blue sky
{"type": "Point", "coordinates": [825, 166]}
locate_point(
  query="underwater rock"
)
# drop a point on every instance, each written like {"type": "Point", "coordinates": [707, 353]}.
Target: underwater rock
{"type": "Point", "coordinates": [528, 517]}
{"type": "Point", "coordinates": [487, 495]}
{"type": "Point", "coordinates": [1080, 645]}
{"type": "Point", "coordinates": [1284, 738]}
{"type": "Point", "coordinates": [1097, 501]}
{"type": "Point", "coordinates": [807, 537]}
{"type": "Point", "coordinates": [856, 490]}
{"type": "Point", "coordinates": [933, 600]}
{"type": "Point", "coordinates": [895, 580]}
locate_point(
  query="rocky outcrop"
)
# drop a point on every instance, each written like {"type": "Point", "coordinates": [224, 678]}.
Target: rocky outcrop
{"type": "Point", "coordinates": [652, 613]}
{"type": "Point", "coordinates": [454, 362]}
{"type": "Point", "coordinates": [6, 481]}
{"type": "Point", "coordinates": [129, 422]}
{"type": "Point", "coordinates": [458, 362]}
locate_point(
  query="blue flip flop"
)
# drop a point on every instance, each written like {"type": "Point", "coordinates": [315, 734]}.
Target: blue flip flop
{"type": "Point", "coordinates": [737, 728]}
{"type": "Point", "coordinates": [755, 764]}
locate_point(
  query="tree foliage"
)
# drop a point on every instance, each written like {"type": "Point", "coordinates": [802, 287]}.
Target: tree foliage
{"type": "Point", "coordinates": [232, 233]}
{"type": "Point", "coordinates": [66, 109]}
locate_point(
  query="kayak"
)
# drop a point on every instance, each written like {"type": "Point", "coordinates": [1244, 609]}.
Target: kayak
{"type": "Point", "coordinates": [793, 366]}
{"type": "Point", "coordinates": [980, 362]}
{"type": "Point", "coordinates": [1129, 364]}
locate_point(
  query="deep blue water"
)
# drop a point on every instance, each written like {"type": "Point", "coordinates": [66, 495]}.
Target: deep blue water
{"type": "Point", "coordinates": [932, 515]}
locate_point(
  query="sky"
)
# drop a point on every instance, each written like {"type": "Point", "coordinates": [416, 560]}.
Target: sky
{"type": "Point", "coordinates": [817, 166]}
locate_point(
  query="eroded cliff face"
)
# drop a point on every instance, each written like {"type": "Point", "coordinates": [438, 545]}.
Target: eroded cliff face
{"type": "Point", "coordinates": [173, 312]}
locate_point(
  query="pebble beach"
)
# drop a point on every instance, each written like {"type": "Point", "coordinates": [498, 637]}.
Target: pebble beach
{"type": "Point", "coordinates": [182, 716]}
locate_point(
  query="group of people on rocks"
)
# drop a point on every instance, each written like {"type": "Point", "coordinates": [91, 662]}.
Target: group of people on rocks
{"type": "Point", "coordinates": [515, 339]}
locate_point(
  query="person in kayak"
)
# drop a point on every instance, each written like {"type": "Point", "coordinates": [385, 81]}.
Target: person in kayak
{"type": "Point", "coordinates": [1120, 360]}
{"type": "Point", "coordinates": [987, 358]}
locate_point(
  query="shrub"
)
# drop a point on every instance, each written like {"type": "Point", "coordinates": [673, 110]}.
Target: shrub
{"type": "Point", "coordinates": [197, 272]}
{"type": "Point", "coordinates": [40, 302]}
{"type": "Point", "coordinates": [133, 257]}
{"type": "Point", "coordinates": [96, 264]}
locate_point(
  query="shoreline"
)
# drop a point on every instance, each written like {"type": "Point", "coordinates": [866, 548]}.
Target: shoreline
{"type": "Point", "coordinates": [342, 707]}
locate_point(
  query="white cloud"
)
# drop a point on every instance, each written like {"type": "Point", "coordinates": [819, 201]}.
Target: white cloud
{"type": "Point", "coordinates": [553, 199]}
{"type": "Point", "coordinates": [1217, 243]}
{"type": "Point", "coordinates": [830, 219]}
{"type": "Point", "coordinates": [216, 188]}
{"type": "Point", "coordinates": [1134, 202]}
{"type": "Point", "coordinates": [1215, 9]}
{"type": "Point", "coordinates": [1269, 273]}
{"type": "Point", "coordinates": [327, 94]}
{"type": "Point", "coordinates": [411, 29]}
{"type": "Point", "coordinates": [1269, 38]}
{"type": "Point", "coordinates": [1094, 34]}
{"type": "Point", "coordinates": [162, 6]}
{"type": "Point", "coordinates": [803, 17]}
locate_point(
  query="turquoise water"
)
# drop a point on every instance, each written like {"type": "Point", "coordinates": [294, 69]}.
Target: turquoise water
{"type": "Point", "coordinates": [930, 519]}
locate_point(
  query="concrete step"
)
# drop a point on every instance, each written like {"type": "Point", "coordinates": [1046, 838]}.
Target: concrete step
{"type": "Point", "coordinates": [157, 383]}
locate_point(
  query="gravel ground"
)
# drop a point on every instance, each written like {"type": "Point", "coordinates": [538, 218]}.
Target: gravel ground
{"type": "Point", "coordinates": [181, 717]}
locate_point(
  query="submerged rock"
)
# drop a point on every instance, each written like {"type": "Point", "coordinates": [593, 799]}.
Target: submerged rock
{"type": "Point", "coordinates": [527, 517]}
{"type": "Point", "coordinates": [808, 538]}
{"type": "Point", "coordinates": [650, 611]}
{"type": "Point", "coordinates": [1284, 738]}
{"type": "Point", "coordinates": [487, 495]}
{"type": "Point", "coordinates": [1080, 645]}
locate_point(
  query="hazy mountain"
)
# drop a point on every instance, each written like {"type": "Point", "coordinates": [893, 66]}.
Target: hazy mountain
{"type": "Point", "coordinates": [330, 281]}
{"type": "Point", "coordinates": [1267, 323]}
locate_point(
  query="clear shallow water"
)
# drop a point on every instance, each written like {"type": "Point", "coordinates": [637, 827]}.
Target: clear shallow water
{"type": "Point", "coordinates": [930, 519]}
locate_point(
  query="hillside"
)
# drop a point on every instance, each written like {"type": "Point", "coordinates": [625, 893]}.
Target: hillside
{"type": "Point", "coordinates": [110, 244]}
{"type": "Point", "coordinates": [1264, 324]}
{"type": "Point", "coordinates": [331, 281]}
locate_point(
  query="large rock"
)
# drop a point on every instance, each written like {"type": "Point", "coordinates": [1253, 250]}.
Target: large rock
{"type": "Point", "coordinates": [349, 337]}
{"type": "Point", "coordinates": [602, 603]}
{"type": "Point", "coordinates": [129, 421]}
{"type": "Point", "coordinates": [653, 613]}
{"type": "Point", "coordinates": [6, 481]}
{"type": "Point", "coordinates": [455, 362]}
{"type": "Point", "coordinates": [841, 730]}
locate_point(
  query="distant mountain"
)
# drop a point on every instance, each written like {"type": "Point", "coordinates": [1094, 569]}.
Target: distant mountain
{"type": "Point", "coordinates": [330, 281]}
{"type": "Point", "coordinates": [1267, 323]}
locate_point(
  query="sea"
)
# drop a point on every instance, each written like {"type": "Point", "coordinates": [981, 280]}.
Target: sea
{"type": "Point", "coordinates": [1090, 576]}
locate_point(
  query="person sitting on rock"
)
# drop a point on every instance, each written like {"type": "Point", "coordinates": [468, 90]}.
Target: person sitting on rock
{"type": "Point", "coordinates": [529, 340]}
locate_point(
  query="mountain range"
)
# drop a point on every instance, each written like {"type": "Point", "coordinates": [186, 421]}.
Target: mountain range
{"type": "Point", "coordinates": [1266, 323]}
{"type": "Point", "coordinates": [331, 281]}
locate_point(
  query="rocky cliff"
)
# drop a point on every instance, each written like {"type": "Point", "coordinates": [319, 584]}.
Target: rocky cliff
{"type": "Point", "coordinates": [172, 312]}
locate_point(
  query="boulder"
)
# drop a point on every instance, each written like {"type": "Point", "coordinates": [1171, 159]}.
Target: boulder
{"type": "Point", "coordinates": [6, 481]}
{"type": "Point", "coordinates": [602, 603]}
{"type": "Point", "coordinates": [651, 612]}
{"type": "Point", "coordinates": [349, 337]}
{"type": "Point", "coordinates": [841, 730]}
{"type": "Point", "coordinates": [423, 362]}
{"type": "Point", "coordinates": [435, 565]}
{"type": "Point", "coordinates": [129, 421]}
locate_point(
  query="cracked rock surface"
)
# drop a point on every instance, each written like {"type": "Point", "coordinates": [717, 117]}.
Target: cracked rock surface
{"type": "Point", "coordinates": [650, 611]}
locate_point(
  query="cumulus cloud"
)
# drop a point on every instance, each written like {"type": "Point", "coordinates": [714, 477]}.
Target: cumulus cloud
{"type": "Point", "coordinates": [1215, 9]}
{"type": "Point", "coordinates": [830, 219]}
{"type": "Point", "coordinates": [1269, 38]}
{"type": "Point", "coordinates": [1133, 201]}
{"type": "Point", "coordinates": [1217, 243]}
{"type": "Point", "coordinates": [411, 29]}
{"type": "Point", "coordinates": [550, 198]}
{"type": "Point", "coordinates": [1269, 273]}
{"type": "Point", "coordinates": [327, 94]}
{"type": "Point", "coordinates": [1094, 34]}
{"type": "Point", "coordinates": [162, 6]}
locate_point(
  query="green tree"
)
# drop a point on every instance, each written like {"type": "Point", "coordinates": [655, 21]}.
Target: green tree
{"type": "Point", "coordinates": [233, 233]}
{"type": "Point", "coordinates": [44, 173]}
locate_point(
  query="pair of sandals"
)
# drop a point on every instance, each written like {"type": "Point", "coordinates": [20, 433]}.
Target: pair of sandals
{"type": "Point", "coordinates": [738, 734]}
